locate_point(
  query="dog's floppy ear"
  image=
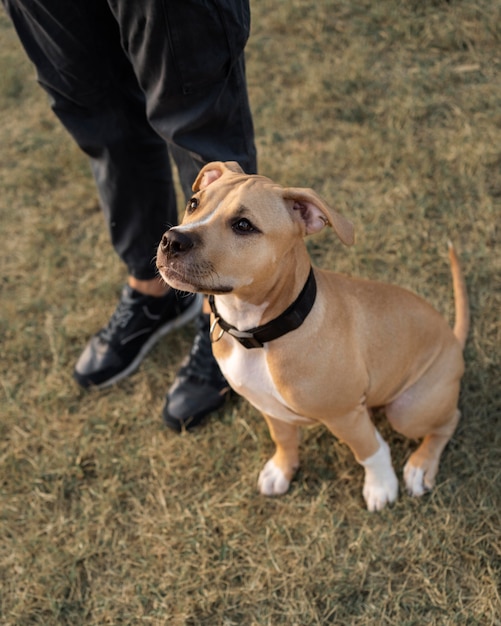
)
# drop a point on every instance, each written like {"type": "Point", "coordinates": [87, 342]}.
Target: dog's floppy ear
{"type": "Point", "coordinates": [212, 171]}
{"type": "Point", "coordinates": [315, 214]}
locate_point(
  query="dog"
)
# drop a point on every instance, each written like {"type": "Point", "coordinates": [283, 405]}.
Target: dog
{"type": "Point", "coordinates": [308, 346]}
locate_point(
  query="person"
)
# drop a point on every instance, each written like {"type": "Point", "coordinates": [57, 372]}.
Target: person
{"type": "Point", "coordinates": [141, 85]}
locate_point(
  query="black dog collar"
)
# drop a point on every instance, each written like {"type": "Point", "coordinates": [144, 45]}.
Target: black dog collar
{"type": "Point", "coordinates": [289, 320]}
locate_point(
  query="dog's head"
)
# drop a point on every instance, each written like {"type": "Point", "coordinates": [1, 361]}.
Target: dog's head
{"type": "Point", "coordinates": [238, 229]}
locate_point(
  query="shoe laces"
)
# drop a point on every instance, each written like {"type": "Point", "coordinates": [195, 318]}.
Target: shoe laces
{"type": "Point", "coordinates": [201, 363]}
{"type": "Point", "coordinates": [119, 320]}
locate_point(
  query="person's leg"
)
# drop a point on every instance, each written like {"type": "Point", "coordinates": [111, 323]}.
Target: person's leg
{"type": "Point", "coordinates": [189, 61]}
{"type": "Point", "coordinates": [188, 56]}
{"type": "Point", "coordinates": [93, 90]}
{"type": "Point", "coordinates": [80, 63]}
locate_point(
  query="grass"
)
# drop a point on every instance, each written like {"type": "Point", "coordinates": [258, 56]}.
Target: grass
{"type": "Point", "coordinates": [391, 111]}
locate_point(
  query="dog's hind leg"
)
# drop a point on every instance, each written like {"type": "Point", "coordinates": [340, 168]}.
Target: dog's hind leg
{"type": "Point", "coordinates": [429, 413]}
{"type": "Point", "coordinates": [422, 467]}
{"type": "Point", "coordinates": [276, 475]}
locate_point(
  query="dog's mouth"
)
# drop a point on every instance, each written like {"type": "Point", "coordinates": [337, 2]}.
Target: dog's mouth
{"type": "Point", "coordinates": [197, 279]}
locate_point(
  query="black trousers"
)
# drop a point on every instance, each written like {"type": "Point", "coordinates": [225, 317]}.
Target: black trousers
{"type": "Point", "coordinates": [132, 80]}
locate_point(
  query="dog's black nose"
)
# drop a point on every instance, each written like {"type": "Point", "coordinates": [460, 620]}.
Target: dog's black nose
{"type": "Point", "coordinates": [175, 243]}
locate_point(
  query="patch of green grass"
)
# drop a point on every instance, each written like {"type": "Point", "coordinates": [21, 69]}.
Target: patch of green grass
{"type": "Point", "coordinates": [391, 111]}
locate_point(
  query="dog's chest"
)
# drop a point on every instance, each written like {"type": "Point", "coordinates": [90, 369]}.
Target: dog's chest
{"type": "Point", "coordinates": [248, 373]}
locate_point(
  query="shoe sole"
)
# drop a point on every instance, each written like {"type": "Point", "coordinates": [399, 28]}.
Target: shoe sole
{"type": "Point", "coordinates": [181, 320]}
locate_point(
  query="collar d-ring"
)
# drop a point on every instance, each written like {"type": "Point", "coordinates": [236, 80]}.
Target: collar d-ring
{"type": "Point", "coordinates": [212, 329]}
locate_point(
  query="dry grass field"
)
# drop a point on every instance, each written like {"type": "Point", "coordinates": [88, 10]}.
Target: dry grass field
{"type": "Point", "coordinates": [392, 111]}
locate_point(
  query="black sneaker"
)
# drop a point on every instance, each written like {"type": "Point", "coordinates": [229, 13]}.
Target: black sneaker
{"type": "Point", "coordinates": [136, 325]}
{"type": "Point", "coordinates": [199, 387]}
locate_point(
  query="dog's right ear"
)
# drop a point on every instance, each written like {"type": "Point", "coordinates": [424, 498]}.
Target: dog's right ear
{"type": "Point", "coordinates": [212, 171]}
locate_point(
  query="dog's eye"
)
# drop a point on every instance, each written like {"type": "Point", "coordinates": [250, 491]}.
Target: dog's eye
{"type": "Point", "coordinates": [192, 205]}
{"type": "Point", "coordinates": [242, 226]}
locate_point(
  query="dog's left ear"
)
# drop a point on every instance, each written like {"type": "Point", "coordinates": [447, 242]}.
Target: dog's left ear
{"type": "Point", "coordinates": [315, 214]}
{"type": "Point", "coordinates": [212, 171]}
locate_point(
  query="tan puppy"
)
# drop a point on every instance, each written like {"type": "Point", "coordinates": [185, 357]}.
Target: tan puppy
{"type": "Point", "coordinates": [343, 346]}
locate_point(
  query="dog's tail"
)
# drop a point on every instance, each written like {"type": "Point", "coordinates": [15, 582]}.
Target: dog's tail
{"type": "Point", "coordinates": [462, 323]}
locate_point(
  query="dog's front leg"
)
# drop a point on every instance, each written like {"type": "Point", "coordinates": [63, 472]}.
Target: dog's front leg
{"type": "Point", "coordinates": [372, 452]}
{"type": "Point", "coordinates": [381, 484]}
{"type": "Point", "coordinates": [276, 475]}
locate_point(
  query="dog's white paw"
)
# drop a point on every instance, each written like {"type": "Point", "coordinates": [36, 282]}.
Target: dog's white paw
{"type": "Point", "coordinates": [414, 478]}
{"type": "Point", "coordinates": [378, 493]}
{"type": "Point", "coordinates": [381, 484]}
{"type": "Point", "coordinates": [272, 481]}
